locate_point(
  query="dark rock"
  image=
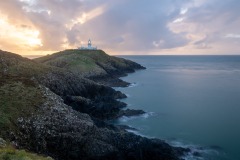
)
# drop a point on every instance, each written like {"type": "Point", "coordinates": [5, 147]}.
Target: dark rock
{"type": "Point", "coordinates": [63, 133]}
{"type": "Point", "coordinates": [104, 124]}
{"type": "Point", "coordinates": [130, 112]}
{"type": "Point", "coordinates": [84, 95]}
{"type": "Point", "coordinates": [125, 127]}
{"type": "Point", "coordinates": [102, 108]}
{"type": "Point", "coordinates": [109, 81]}
{"type": "Point", "coordinates": [197, 154]}
{"type": "Point", "coordinates": [110, 126]}
{"type": "Point", "coordinates": [119, 95]}
{"type": "Point", "coordinates": [2, 143]}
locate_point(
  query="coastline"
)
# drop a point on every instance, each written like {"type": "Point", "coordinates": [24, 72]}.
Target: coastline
{"type": "Point", "coordinates": [70, 110]}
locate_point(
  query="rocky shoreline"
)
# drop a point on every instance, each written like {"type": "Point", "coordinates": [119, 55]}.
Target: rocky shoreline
{"type": "Point", "coordinates": [57, 106]}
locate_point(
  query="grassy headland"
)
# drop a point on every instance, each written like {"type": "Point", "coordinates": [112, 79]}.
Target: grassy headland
{"type": "Point", "coordinates": [93, 64]}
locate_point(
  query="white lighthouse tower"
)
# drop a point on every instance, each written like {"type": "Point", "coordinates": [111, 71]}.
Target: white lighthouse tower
{"type": "Point", "coordinates": [89, 46]}
{"type": "Point", "coordinates": [89, 43]}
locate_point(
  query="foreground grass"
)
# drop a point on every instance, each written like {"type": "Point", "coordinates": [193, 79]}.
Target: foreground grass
{"type": "Point", "coordinates": [9, 153]}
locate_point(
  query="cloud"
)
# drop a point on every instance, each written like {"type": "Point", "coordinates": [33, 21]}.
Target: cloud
{"type": "Point", "coordinates": [208, 24]}
{"type": "Point", "coordinates": [121, 26]}
{"type": "Point", "coordinates": [68, 23]}
{"type": "Point", "coordinates": [137, 24]}
{"type": "Point", "coordinates": [233, 36]}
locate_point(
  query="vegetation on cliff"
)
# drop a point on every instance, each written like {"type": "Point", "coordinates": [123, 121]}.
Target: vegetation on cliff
{"type": "Point", "coordinates": [10, 153]}
{"type": "Point", "coordinates": [88, 62]}
{"type": "Point", "coordinates": [93, 64]}
{"type": "Point", "coordinates": [19, 97]}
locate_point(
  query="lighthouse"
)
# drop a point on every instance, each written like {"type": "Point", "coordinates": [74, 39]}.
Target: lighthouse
{"type": "Point", "coordinates": [89, 43]}
{"type": "Point", "coordinates": [89, 46]}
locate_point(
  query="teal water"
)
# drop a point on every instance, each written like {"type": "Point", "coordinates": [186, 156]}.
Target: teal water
{"type": "Point", "coordinates": [192, 101]}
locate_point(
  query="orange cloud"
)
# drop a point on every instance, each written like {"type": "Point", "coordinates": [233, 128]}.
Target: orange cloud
{"type": "Point", "coordinates": [20, 37]}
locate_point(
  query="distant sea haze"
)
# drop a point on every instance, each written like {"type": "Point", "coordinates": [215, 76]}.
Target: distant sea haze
{"type": "Point", "coordinates": [33, 56]}
{"type": "Point", "coordinates": [193, 101]}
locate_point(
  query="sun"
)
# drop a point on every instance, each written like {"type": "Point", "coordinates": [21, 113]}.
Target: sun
{"type": "Point", "coordinates": [31, 38]}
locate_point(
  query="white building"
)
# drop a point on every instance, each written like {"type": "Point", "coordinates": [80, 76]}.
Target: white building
{"type": "Point", "coordinates": [89, 47]}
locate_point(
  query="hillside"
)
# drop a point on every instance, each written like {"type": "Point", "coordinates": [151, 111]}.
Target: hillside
{"type": "Point", "coordinates": [93, 64]}
{"type": "Point", "coordinates": [83, 94]}
{"type": "Point", "coordinates": [41, 108]}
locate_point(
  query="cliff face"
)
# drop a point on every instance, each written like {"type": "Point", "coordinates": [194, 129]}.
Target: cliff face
{"type": "Point", "coordinates": [81, 93]}
{"type": "Point", "coordinates": [76, 136]}
{"type": "Point", "coordinates": [35, 114]}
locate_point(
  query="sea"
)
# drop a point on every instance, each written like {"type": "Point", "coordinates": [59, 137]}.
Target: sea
{"type": "Point", "coordinates": [190, 101]}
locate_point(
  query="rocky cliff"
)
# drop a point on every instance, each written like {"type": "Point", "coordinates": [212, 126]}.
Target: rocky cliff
{"type": "Point", "coordinates": [57, 112]}
{"type": "Point", "coordinates": [82, 94]}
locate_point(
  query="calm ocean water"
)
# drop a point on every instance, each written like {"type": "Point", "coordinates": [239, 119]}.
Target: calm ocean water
{"type": "Point", "coordinates": [192, 101]}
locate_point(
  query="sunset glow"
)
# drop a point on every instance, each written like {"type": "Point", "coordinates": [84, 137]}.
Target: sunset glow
{"type": "Point", "coordinates": [121, 27]}
{"type": "Point", "coordinates": [19, 37]}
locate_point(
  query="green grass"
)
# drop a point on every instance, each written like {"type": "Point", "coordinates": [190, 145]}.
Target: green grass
{"type": "Point", "coordinates": [76, 60]}
{"type": "Point", "coordinates": [19, 97]}
{"type": "Point", "coordinates": [84, 61]}
{"type": "Point", "coordinates": [15, 65]}
{"type": "Point", "coordinates": [10, 153]}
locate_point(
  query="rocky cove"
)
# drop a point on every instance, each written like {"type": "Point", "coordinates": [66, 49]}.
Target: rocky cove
{"type": "Point", "coordinates": [57, 106]}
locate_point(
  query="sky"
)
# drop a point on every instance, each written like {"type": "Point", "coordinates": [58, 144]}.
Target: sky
{"type": "Point", "coordinates": [140, 27]}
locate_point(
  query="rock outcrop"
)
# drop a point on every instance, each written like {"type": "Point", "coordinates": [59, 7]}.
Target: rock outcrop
{"type": "Point", "coordinates": [130, 112]}
{"type": "Point", "coordinates": [3, 143]}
